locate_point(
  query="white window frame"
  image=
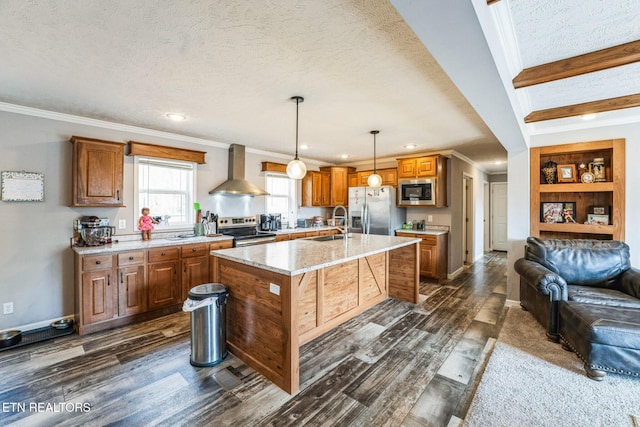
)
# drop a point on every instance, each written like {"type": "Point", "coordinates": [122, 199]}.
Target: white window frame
{"type": "Point", "coordinates": [190, 214]}
{"type": "Point", "coordinates": [293, 196]}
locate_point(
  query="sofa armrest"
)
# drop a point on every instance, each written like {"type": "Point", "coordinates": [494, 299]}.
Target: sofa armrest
{"type": "Point", "coordinates": [544, 280]}
{"type": "Point", "coordinates": [630, 282]}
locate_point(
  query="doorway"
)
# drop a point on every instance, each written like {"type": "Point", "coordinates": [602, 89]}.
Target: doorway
{"type": "Point", "coordinates": [467, 219]}
{"type": "Point", "coordinates": [486, 217]}
{"type": "Point", "coordinates": [499, 216]}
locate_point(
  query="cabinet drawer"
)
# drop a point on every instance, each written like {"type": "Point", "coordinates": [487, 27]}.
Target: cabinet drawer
{"type": "Point", "coordinates": [403, 234]}
{"type": "Point", "coordinates": [130, 258]}
{"type": "Point", "coordinates": [223, 244]}
{"type": "Point", "coordinates": [430, 240]}
{"type": "Point", "coordinates": [97, 262]}
{"type": "Point", "coordinates": [190, 251]}
{"type": "Point", "coordinates": [164, 254]}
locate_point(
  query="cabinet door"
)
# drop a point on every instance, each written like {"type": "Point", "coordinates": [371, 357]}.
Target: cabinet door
{"type": "Point", "coordinates": [428, 260]}
{"type": "Point", "coordinates": [426, 166]}
{"type": "Point", "coordinates": [97, 172]}
{"type": "Point", "coordinates": [195, 271]}
{"type": "Point", "coordinates": [407, 168]}
{"type": "Point", "coordinates": [98, 295]}
{"type": "Point", "coordinates": [325, 189]}
{"type": "Point", "coordinates": [353, 180]}
{"type": "Point", "coordinates": [364, 178]}
{"type": "Point", "coordinates": [389, 176]}
{"type": "Point", "coordinates": [339, 192]}
{"type": "Point", "coordinates": [163, 284]}
{"type": "Point", "coordinates": [132, 295]}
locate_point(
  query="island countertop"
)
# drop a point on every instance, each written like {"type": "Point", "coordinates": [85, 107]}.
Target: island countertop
{"type": "Point", "coordinates": [299, 256]}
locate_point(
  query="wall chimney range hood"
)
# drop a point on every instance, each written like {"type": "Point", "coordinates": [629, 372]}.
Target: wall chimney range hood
{"type": "Point", "coordinates": [236, 184]}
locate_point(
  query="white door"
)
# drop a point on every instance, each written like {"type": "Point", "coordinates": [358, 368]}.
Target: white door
{"type": "Point", "coordinates": [486, 197]}
{"type": "Point", "coordinates": [499, 216]}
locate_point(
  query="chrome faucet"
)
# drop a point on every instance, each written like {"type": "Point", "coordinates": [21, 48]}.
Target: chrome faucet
{"type": "Point", "coordinates": [344, 217]}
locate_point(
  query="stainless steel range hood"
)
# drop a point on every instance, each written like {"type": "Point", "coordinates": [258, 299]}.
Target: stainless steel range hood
{"type": "Point", "coordinates": [236, 184]}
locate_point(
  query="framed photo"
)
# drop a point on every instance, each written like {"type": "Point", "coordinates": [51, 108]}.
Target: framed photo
{"type": "Point", "coordinates": [598, 219]}
{"type": "Point", "coordinates": [567, 173]}
{"type": "Point", "coordinates": [552, 212]}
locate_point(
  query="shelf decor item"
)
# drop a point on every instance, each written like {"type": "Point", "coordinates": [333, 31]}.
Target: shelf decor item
{"type": "Point", "coordinates": [597, 219]}
{"type": "Point", "coordinates": [597, 167]}
{"type": "Point", "coordinates": [556, 212]}
{"type": "Point", "coordinates": [566, 173]}
{"type": "Point", "coordinates": [549, 170]}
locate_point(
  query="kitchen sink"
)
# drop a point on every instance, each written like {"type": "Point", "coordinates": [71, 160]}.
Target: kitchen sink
{"type": "Point", "coordinates": [326, 238]}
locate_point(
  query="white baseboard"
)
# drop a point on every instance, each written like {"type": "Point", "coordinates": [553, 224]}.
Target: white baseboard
{"type": "Point", "coordinates": [512, 303]}
{"type": "Point", "coordinates": [37, 325]}
{"type": "Point", "coordinates": [455, 273]}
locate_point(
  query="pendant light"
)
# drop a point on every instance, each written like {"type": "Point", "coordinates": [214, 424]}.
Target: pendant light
{"type": "Point", "coordinates": [296, 169]}
{"type": "Point", "coordinates": [374, 180]}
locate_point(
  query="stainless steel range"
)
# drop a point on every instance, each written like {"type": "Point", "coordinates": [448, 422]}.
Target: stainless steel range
{"type": "Point", "coordinates": [244, 232]}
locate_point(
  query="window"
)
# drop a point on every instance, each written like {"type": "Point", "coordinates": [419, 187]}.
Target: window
{"type": "Point", "coordinates": [167, 188]}
{"type": "Point", "coordinates": [283, 196]}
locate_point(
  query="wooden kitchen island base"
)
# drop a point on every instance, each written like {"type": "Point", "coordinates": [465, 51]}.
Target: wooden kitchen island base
{"type": "Point", "coordinates": [270, 314]}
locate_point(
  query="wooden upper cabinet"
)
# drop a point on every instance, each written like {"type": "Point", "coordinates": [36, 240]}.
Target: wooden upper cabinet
{"type": "Point", "coordinates": [417, 167]}
{"type": "Point", "coordinates": [97, 173]}
{"type": "Point", "coordinates": [359, 179]}
{"type": "Point", "coordinates": [353, 179]}
{"type": "Point", "coordinates": [316, 188]}
{"type": "Point", "coordinates": [339, 184]}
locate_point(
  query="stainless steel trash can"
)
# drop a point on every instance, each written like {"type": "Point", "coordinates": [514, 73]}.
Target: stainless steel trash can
{"type": "Point", "coordinates": [207, 304]}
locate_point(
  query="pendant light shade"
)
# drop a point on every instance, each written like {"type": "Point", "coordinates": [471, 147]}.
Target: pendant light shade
{"type": "Point", "coordinates": [374, 180]}
{"type": "Point", "coordinates": [296, 169]}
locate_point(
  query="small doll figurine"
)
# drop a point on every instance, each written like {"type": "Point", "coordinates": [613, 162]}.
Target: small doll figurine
{"type": "Point", "coordinates": [145, 224]}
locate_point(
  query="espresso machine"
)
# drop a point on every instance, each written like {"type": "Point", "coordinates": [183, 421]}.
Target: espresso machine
{"type": "Point", "coordinates": [270, 222]}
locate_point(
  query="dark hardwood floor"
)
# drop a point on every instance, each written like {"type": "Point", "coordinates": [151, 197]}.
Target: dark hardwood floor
{"type": "Point", "coordinates": [397, 364]}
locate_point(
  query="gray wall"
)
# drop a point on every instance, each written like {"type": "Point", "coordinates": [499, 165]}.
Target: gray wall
{"type": "Point", "coordinates": [36, 262]}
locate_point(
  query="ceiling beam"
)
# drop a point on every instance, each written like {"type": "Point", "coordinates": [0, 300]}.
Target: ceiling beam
{"type": "Point", "coordinates": [619, 103]}
{"type": "Point", "coordinates": [570, 67]}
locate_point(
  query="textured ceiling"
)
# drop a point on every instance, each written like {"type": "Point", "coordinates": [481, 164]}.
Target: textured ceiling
{"type": "Point", "coordinates": [547, 31]}
{"type": "Point", "coordinates": [231, 67]}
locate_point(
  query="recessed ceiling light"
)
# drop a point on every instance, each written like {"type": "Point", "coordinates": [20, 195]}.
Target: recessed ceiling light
{"type": "Point", "coordinates": [305, 146]}
{"type": "Point", "coordinates": [410, 146]}
{"type": "Point", "coordinates": [344, 156]}
{"type": "Point", "coordinates": [588, 116]}
{"type": "Point", "coordinates": [176, 116]}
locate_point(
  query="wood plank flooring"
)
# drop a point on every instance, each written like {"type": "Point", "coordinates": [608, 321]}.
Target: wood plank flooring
{"type": "Point", "coordinates": [397, 364]}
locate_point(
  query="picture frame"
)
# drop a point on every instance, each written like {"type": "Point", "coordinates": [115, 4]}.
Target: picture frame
{"type": "Point", "coordinates": [557, 212]}
{"type": "Point", "coordinates": [567, 173]}
{"type": "Point", "coordinates": [597, 219]}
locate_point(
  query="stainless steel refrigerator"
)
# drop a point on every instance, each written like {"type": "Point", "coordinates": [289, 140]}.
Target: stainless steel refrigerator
{"type": "Point", "coordinates": [374, 210]}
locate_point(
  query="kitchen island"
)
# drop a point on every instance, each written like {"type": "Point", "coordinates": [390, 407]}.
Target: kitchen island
{"type": "Point", "coordinates": [284, 294]}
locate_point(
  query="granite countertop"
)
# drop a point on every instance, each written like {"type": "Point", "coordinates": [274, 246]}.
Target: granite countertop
{"type": "Point", "coordinates": [433, 230]}
{"type": "Point", "coordinates": [292, 257]}
{"type": "Point", "coordinates": [145, 244]}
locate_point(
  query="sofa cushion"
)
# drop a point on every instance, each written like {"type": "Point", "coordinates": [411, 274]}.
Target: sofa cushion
{"type": "Point", "coordinates": [581, 261]}
{"type": "Point", "coordinates": [602, 296]}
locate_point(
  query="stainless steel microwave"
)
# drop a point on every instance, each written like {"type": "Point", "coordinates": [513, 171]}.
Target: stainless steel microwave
{"type": "Point", "coordinates": [417, 192]}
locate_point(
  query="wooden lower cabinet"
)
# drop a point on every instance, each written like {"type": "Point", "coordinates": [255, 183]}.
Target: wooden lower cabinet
{"type": "Point", "coordinates": [121, 288]}
{"type": "Point", "coordinates": [433, 254]}
{"type": "Point", "coordinates": [195, 267]}
{"type": "Point", "coordinates": [164, 280]}
{"type": "Point", "coordinates": [99, 290]}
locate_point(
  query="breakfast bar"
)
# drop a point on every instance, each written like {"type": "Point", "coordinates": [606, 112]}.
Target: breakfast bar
{"type": "Point", "coordinates": [285, 294]}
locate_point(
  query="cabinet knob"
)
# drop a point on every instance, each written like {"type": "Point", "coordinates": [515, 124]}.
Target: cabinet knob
{"type": "Point", "coordinates": [163, 254]}
{"type": "Point", "coordinates": [98, 262]}
{"type": "Point", "coordinates": [193, 249]}
{"type": "Point", "coordinates": [130, 258]}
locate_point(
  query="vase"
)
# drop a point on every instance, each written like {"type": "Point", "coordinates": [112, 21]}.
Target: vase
{"type": "Point", "coordinates": [549, 170]}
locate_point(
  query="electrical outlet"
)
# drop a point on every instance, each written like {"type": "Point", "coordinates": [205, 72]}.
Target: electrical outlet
{"type": "Point", "coordinates": [430, 218]}
{"type": "Point", "coordinates": [7, 308]}
{"type": "Point", "coordinates": [122, 224]}
{"type": "Point", "coordinates": [274, 289]}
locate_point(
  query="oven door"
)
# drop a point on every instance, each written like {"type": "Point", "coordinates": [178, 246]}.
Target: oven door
{"type": "Point", "coordinates": [240, 242]}
{"type": "Point", "coordinates": [417, 192]}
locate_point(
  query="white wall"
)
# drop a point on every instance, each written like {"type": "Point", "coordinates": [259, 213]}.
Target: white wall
{"type": "Point", "coordinates": [36, 262]}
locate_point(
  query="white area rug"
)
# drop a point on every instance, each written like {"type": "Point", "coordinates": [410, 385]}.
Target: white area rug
{"type": "Point", "coordinates": [530, 381]}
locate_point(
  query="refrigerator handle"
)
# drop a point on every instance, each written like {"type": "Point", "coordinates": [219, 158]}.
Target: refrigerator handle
{"type": "Point", "coordinates": [365, 219]}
